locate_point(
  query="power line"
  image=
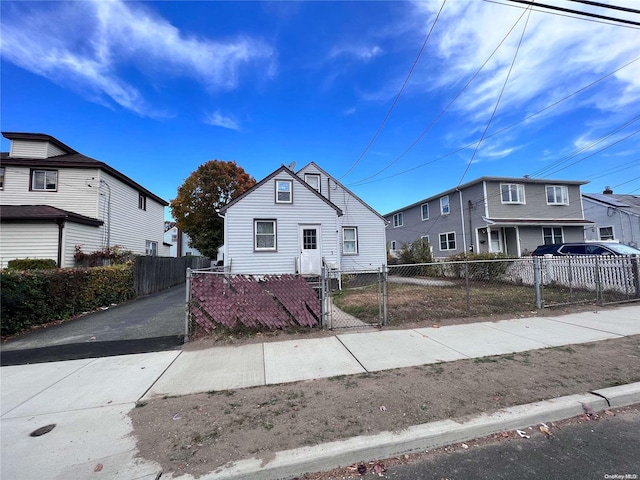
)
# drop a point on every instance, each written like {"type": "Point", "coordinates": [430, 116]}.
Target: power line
{"type": "Point", "coordinates": [576, 12]}
{"type": "Point", "coordinates": [606, 5]}
{"type": "Point", "coordinates": [395, 101]}
{"type": "Point", "coordinates": [495, 109]}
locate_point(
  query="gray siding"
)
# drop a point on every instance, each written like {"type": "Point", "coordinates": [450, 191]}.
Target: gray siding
{"type": "Point", "coordinates": [536, 206]}
{"type": "Point", "coordinates": [626, 226]}
{"type": "Point", "coordinates": [306, 209]}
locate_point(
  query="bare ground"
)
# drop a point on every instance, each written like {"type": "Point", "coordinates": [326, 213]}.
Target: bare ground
{"type": "Point", "coordinates": [197, 433]}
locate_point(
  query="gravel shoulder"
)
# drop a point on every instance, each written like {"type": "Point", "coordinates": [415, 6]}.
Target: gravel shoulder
{"type": "Point", "coordinates": [195, 434]}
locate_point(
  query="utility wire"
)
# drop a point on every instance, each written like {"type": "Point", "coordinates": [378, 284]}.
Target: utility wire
{"type": "Point", "coordinates": [577, 12]}
{"type": "Point", "coordinates": [395, 101]}
{"type": "Point", "coordinates": [605, 5]}
{"type": "Point", "coordinates": [495, 109]}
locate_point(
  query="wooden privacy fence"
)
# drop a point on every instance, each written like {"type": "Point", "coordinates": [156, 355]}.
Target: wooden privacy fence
{"type": "Point", "coordinates": [271, 301]}
{"type": "Point", "coordinates": [152, 274]}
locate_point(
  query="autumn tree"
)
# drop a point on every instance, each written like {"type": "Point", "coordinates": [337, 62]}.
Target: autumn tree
{"type": "Point", "coordinates": [195, 209]}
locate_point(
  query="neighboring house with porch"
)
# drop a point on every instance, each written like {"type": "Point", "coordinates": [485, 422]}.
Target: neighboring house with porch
{"type": "Point", "coordinates": [616, 217]}
{"type": "Point", "coordinates": [492, 214]}
{"type": "Point", "coordinates": [53, 198]}
{"type": "Point", "coordinates": [296, 222]}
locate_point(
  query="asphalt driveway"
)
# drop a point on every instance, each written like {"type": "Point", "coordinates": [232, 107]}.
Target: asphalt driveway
{"type": "Point", "coordinates": [150, 323]}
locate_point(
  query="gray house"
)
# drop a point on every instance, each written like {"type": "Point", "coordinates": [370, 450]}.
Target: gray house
{"type": "Point", "coordinates": [616, 217]}
{"type": "Point", "coordinates": [492, 214]}
{"type": "Point", "coordinates": [296, 222]}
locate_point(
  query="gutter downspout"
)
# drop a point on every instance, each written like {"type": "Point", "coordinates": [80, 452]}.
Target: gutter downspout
{"type": "Point", "coordinates": [464, 234]}
{"type": "Point", "coordinates": [471, 243]}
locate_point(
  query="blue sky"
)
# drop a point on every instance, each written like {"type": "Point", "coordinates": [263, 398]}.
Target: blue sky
{"type": "Point", "coordinates": [155, 89]}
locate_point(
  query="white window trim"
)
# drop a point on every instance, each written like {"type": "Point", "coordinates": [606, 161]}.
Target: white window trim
{"type": "Point", "coordinates": [142, 201]}
{"type": "Point", "coordinates": [422, 211]}
{"type": "Point", "coordinates": [400, 216]}
{"type": "Point", "coordinates": [290, 182]}
{"type": "Point", "coordinates": [553, 237]}
{"type": "Point", "coordinates": [520, 198]}
{"type": "Point", "coordinates": [314, 175]}
{"type": "Point", "coordinates": [355, 231]}
{"type": "Point", "coordinates": [45, 189]}
{"type": "Point", "coordinates": [3, 172]}
{"type": "Point", "coordinates": [564, 191]}
{"type": "Point", "coordinates": [442, 205]}
{"type": "Point", "coordinates": [392, 245]}
{"type": "Point", "coordinates": [151, 248]}
{"type": "Point", "coordinates": [613, 232]}
{"type": "Point", "coordinates": [455, 244]}
{"type": "Point", "coordinates": [425, 238]}
{"type": "Point", "coordinates": [255, 235]}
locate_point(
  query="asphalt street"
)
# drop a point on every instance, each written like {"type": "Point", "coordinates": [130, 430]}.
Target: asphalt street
{"type": "Point", "coordinates": [604, 449]}
{"type": "Point", "coordinates": [151, 323]}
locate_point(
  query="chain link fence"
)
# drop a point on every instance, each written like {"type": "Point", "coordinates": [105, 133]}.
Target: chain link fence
{"type": "Point", "coordinates": [404, 294]}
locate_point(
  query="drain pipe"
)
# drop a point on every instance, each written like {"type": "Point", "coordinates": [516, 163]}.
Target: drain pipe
{"type": "Point", "coordinates": [464, 234]}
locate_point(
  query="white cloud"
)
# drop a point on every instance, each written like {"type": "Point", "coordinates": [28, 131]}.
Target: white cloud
{"type": "Point", "coordinates": [359, 52]}
{"type": "Point", "coordinates": [90, 43]}
{"type": "Point", "coordinates": [218, 120]}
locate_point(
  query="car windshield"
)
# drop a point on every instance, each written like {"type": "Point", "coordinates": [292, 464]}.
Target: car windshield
{"type": "Point", "coordinates": [623, 249]}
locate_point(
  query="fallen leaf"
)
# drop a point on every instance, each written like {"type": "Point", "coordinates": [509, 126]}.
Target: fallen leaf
{"type": "Point", "coordinates": [379, 469]}
{"type": "Point", "coordinates": [504, 434]}
{"type": "Point", "coordinates": [544, 429]}
{"type": "Point", "coordinates": [589, 411]}
{"type": "Point", "coordinates": [98, 468]}
{"type": "Point", "coordinates": [362, 469]}
{"type": "Point", "coordinates": [465, 446]}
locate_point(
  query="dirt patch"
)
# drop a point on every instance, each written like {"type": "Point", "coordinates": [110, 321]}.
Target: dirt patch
{"type": "Point", "coordinates": [197, 433]}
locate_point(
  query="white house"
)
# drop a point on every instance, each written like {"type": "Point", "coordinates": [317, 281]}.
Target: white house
{"type": "Point", "coordinates": [53, 198]}
{"type": "Point", "coordinates": [293, 223]}
{"type": "Point", "coordinates": [180, 243]}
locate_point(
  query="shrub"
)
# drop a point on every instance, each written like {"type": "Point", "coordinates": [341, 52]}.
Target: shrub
{"type": "Point", "coordinates": [36, 297]}
{"type": "Point", "coordinates": [114, 255]}
{"type": "Point", "coordinates": [413, 253]}
{"type": "Point", "coordinates": [32, 264]}
{"type": "Point", "coordinates": [479, 269]}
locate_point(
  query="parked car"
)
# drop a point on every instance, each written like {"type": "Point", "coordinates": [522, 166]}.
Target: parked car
{"type": "Point", "coordinates": [589, 248]}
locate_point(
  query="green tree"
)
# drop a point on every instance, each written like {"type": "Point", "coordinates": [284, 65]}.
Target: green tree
{"type": "Point", "coordinates": [195, 209]}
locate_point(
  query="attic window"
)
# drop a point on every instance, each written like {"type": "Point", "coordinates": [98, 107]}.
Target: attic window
{"type": "Point", "coordinates": [284, 191]}
{"type": "Point", "coordinates": [313, 180]}
{"type": "Point", "coordinates": [142, 202]}
{"type": "Point", "coordinates": [46, 180]}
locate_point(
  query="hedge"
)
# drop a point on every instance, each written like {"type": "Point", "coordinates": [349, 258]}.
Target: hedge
{"type": "Point", "coordinates": [36, 297]}
{"type": "Point", "coordinates": [32, 264]}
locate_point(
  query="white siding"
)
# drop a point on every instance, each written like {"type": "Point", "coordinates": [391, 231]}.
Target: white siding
{"type": "Point", "coordinates": [306, 209]}
{"type": "Point", "coordinates": [90, 238]}
{"type": "Point", "coordinates": [43, 241]}
{"type": "Point", "coordinates": [77, 190]}
{"type": "Point", "coordinates": [130, 225]}
{"type": "Point", "coordinates": [186, 249]}
{"type": "Point", "coordinates": [372, 252]}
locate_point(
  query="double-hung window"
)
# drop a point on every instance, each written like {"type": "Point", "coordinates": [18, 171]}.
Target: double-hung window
{"type": "Point", "coordinates": [264, 235]}
{"type": "Point", "coordinates": [448, 241]}
{"type": "Point", "coordinates": [444, 205]}
{"type": "Point", "coordinates": [313, 179]}
{"type": "Point", "coordinates": [606, 233]}
{"type": "Point", "coordinates": [425, 238]}
{"type": "Point", "coordinates": [350, 240]}
{"type": "Point", "coordinates": [552, 235]}
{"type": "Point", "coordinates": [44, 180]}
{"type": "Point", "coordinates": [151, 248]}
{"type": "Point", "coordinates": [284, 191]}
{"type": "Point", "coordinates": [512, 193]}
{"type": "Point", "coordinates": [424, 211]}
{"type": "Point", "coordinates": [557, 195]}
{"type": "Point", "coordinates": [398, 220]}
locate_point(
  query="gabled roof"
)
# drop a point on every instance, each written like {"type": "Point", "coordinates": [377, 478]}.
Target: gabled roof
{"type": "Point", "coordinates": [30, 213]}
{"type": "Point", "coordinates": [627, 203]}
{"type": "Point", "coordinates": [72, 159]}
{"type": "Point", "coordinates": [315, 165]}
{"type": "Point", "coordinates": [524, 180]}
{"type": "Point", "coordinates": [271, 176]}
{"type": "Point", "coordinates": [39, 137]}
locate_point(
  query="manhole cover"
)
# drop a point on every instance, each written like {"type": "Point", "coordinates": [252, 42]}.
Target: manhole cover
{"type": "Point", "coordinates": [42, 430]}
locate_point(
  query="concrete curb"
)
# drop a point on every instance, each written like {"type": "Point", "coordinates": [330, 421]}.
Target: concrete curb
{"type": "Point", "coordinates": [296, 462]}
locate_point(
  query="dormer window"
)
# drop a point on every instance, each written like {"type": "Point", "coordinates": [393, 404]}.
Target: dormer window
{"type": "Point", "coordinates": [44, 180]}
{"type": "Point", "coordinates": [284, 191]}
{"type": "Point", "coordinates": [313, 179]}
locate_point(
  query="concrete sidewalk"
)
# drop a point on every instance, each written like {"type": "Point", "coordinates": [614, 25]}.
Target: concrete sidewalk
{"type": "Point", "coordinates": [88, 400]}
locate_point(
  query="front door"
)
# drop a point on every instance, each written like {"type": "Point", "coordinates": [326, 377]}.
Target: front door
{"type": "Point", "coordinates": [310, 252]}
{"type": "Point", "coordinates": [496, 244]}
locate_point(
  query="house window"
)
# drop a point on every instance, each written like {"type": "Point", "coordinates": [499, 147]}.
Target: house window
{"type": "Point", "coordinates": [313, 180]}
{"type": "Point", "coordinates": [552, 235]}
{"type": "Point", "coordinates": [265, 235]}
{"type": "Point", "coordinates": [398, 220]}
{"type": "Point", "coordinates": [424, 208]}
{"type": "Point", "coordinates": [605, 233]}
{"type": "Point", "coordinates": [44, 180]}
{"type": "Point", "coordinates": [444, 205]}
{"type": "Point", "coordinates": [448, 241]}
{"type": "Point", "coordinates": [151, 248]}
{"type": "Point", "coordinates": [512, 193]}
{"type": "Point", "coordinates": [349, 240]}
{"type": "Point", "coordinates": [425, 238]}
{"type": "Point", "coordinates": [174, 237]}
{"type": "Point", "coordinates": [1, 178]}
{"type": "Point", "coordinates": [557, 195]}
{"type": "Point", "coordinates": [142, 202]}
{"type": "Point", "coordinates": [284, 191]}
{"type": "Point", "coordinates": [393, 245]}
